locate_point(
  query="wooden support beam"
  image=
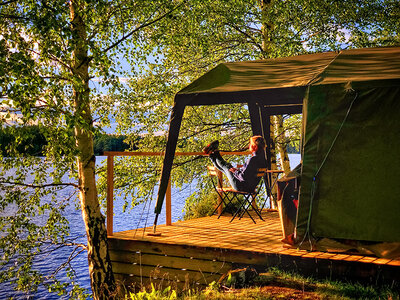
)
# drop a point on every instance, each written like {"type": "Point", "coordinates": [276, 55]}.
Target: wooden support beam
{"type": "Point", "coordinates": [110, 194]}
{"type": "Point", "coordinates": [139, 153]}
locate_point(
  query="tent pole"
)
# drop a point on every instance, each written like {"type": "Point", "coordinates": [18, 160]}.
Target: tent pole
{"type": "Point", "coordinates": [155, 223]}
{"type": "Point", "coordinates": [256, 126]}
{"type": "Point", "coordinates": [260, 125]}
{"type": "Point", "coordinates": [173, 133]}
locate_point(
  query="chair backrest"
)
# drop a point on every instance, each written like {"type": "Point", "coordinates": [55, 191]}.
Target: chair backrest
{"type": "Point", "coordinates": [212, 170]}
{"type": "Point", "coordinates": [261, 172]}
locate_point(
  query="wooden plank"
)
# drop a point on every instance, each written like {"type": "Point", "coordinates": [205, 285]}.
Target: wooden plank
{"type": "Point", "coordinates": [162, 272]}
{"type": "Point", "coordinates": [145, 153]}
{"type": "Point", "coordinates": [202, 265]}
{"type": "Point", "coordinates": [208, 253]}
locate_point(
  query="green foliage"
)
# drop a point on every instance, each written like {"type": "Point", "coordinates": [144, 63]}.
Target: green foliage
{"type": "Point", "coordinates": [275, 278]}
{"type": "Point", "coordinates": [200, 205]}
{"type": "Point", "coordinates": [292, 132]}
{"type": "Point", "coordinates": [166, 294]}
{"type": "Point", "coordinates": [31, 140]}
{"type": "Point", "coordinates": [135, 179]}
{"type": "Point", "coordinates": [109, 142]}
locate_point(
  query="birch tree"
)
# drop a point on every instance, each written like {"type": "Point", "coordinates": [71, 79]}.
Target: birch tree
{"type": "Point", "coordinates": [51, 51]}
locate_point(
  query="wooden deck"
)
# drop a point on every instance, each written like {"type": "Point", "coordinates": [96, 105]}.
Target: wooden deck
{"type": "Point", "coordinates": [199, 251]}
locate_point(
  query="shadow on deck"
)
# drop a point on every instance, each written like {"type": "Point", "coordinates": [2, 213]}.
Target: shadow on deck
{"type": "Point", "coordinates": [196, 252]}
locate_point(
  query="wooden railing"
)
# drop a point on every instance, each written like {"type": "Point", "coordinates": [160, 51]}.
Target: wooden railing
{"type": "Point", "coordinates": [110, 181]}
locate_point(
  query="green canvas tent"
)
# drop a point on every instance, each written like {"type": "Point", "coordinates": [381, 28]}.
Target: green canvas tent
{"type": "Point", "coordinates": [351, 115]}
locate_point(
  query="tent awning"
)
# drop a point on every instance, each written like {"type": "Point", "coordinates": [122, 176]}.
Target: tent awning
{"type": "Point", "coordinates": [283, 80]}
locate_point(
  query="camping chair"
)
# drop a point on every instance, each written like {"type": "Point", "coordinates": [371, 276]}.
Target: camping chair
{"type": "Point", "coordinates": [223, 200]}
{"type": "Point", "coordinates": [228, 195]}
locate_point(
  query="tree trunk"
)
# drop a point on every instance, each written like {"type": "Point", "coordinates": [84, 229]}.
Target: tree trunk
{"type": "Point", "coordinates": [266, 29]}
{"type": "Point", "coordinates": [281, 144]}
{"type": "Point", "coordinates": [101, 275]}
{"type": "Point", "coordinates": [273, 164]}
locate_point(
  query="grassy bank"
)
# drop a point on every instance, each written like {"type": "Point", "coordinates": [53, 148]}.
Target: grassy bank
{"type": "Point", "coordinates": [276, 284]}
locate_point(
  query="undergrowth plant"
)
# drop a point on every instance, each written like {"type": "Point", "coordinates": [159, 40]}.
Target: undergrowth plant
{"type": "Point", "coordinates": [167, 293]}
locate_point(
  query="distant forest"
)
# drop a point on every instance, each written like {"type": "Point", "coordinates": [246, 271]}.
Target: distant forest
{"type": "Point", "coordinates": [34, 141]}
{"type": "Point", "coordinates": [109, 142]}
{"type": "Point", "coordinates": [292, 148]}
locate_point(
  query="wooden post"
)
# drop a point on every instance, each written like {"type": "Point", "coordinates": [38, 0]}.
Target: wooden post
{"type": "Point", "coordinates": [110, 194]}
{"type": "Point", "coordinates": [219, 196]}
{"type": "Point", "coordinates": [168, 204]}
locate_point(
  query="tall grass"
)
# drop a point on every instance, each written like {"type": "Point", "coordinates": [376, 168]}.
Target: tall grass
{"type": "Point", "coordinates": [291, 282]}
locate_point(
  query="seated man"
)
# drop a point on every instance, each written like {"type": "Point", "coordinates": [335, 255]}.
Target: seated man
{"type": "Point", "coordinates": [245, 178]}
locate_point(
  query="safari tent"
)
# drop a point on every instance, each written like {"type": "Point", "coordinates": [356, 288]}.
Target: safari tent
{"type": "Point", "coordinates": [351, 133]}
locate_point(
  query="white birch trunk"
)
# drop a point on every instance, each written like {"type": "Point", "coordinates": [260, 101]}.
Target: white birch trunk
{"type": "Point", "coordinates": [281, 144]}
{"type": "Point", "coordinates": [101, 275]}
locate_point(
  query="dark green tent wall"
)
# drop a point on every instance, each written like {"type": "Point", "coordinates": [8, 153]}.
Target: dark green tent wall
{"type": "Point", "coordinates": [351, 160]}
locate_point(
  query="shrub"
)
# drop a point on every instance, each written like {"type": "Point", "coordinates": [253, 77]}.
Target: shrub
{"type": "Point", "coordinates": [203, 205]}
{"type": "Point", "coordinates": [199, 205]}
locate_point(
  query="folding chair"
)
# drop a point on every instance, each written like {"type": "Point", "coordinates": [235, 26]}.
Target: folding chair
{"type": "Point", "coordinates": [217, 182]}
{"type": "Point", "coordinates": [228, 195]}
{"type": "Point", "coordinates": [269, 185]}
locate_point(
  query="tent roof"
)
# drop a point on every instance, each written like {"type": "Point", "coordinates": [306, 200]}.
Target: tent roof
{"type": "Point", "coordinates": [282, 79]}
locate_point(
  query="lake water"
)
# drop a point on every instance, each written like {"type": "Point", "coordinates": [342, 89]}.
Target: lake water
{"type": "Point", "coordinates": [142, 215]}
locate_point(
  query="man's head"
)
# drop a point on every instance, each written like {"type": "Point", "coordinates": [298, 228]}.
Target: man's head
{"type": "Point", "coordinates": [257, 142]}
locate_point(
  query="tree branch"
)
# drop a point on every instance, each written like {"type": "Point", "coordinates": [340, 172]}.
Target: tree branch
{"type": "Point", "coordinates": [141, 27]}
{"type": "Point", "coordinates": [310, 36]}
{"type": "Point", "coordinates": [178, 164]}
{"type": "Point", "coordinates": [5, 16]}
{"type": "Point", "coordinates": [8, 2]}
{"type": "Point", "coordinates": [34, 186]}
{"type": "Point", "coordinates": [251, 38]}
{"type": "Point", "coordinates": [73, 254]}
